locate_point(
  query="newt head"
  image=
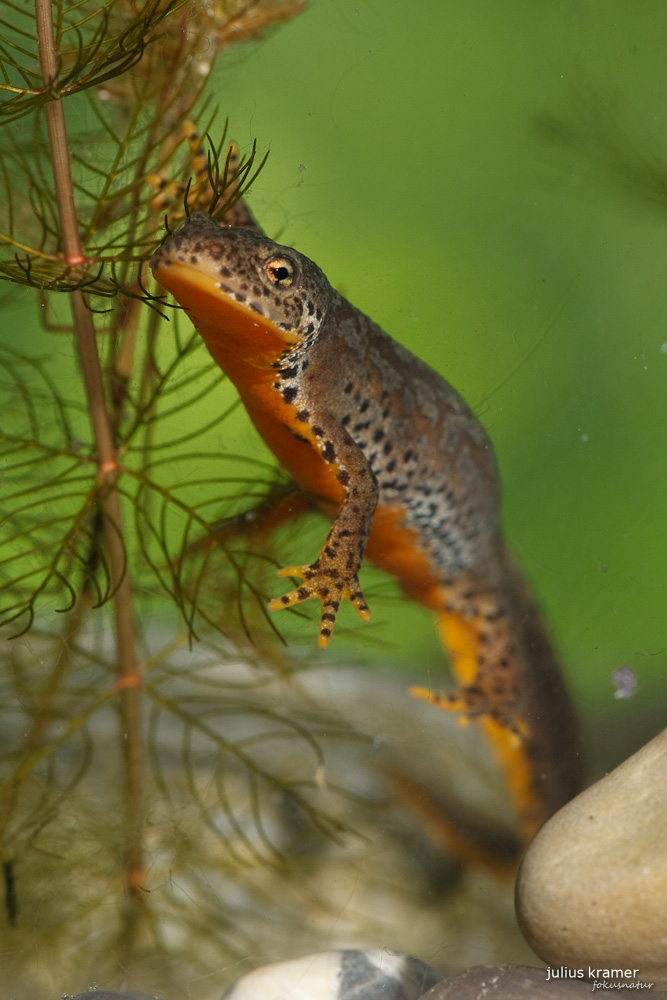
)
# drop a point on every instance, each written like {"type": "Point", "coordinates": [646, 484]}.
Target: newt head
{"type": "Point", "coordinates": [251, 299]}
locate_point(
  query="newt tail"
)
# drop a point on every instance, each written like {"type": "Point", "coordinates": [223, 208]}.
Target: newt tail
{"type": "Point", "coordinates": [404, 470]}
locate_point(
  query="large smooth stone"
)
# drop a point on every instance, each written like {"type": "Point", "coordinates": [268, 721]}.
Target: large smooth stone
{"type": "Point", "coordinates": [592, 887]}
{"type": "Point", "coordinates": [338, 975]}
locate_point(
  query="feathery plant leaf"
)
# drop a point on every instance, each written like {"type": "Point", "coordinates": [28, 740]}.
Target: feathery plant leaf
{"type": "Point", "coordinates": [51, 525]}
{"type": "Point", "coordinates": [607, 134]}
{"type": "Point", "coordinates": [120, 489]}
{"type": "Point", "coordinates": [50, 520]}
{"type": "Point", "coordinates": [96, 42]}
{"type": "Point", "coordinates": [116, 224]}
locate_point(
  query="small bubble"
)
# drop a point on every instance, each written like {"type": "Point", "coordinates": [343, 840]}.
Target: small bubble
{"type": "Point", "coordinates": [584, 437]}
{"type": "Point", "coordinates": [663, 347]}
{"type": "Point", "coordinates": [625, 681]}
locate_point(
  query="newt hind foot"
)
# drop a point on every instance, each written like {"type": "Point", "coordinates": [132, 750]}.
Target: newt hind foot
{"type": "Point", "coordinates": [330, 587]}
{"type": "Point", "coordinates": [478, 637]}
{"type": "Point", "coordinates": [472, 705]}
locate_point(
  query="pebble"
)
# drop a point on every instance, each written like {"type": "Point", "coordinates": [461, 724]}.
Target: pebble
{"type": "Point", "coordinates": [592, 888]}
{"type": "Point", "coordinates": [504, 982]}
{"type": "Point", "coordinates": [338, 975]}
{"type": "Point", "coordinates": [95, 994]}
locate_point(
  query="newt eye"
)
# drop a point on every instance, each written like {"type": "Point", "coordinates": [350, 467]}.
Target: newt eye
{"type": "Point", "coordinates": [281, 271]}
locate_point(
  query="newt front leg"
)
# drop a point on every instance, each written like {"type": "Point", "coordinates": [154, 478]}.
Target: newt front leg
{"type": "Point", "coordinates": [334, 576]}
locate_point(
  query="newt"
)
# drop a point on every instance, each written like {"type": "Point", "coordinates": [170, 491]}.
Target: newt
{"type": "Point", "coordinates": [403, 469]}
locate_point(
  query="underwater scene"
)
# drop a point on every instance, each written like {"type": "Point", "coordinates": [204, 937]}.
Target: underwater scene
{"type": "Point", "coordinates": [332, 485]}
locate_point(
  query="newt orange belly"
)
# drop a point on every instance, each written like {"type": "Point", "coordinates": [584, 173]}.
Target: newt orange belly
{"type": "Point", "coordinates": [407, 474]}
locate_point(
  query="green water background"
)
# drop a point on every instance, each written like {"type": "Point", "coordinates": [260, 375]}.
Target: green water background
{"type": "Point", "coordinates": [487, 181]}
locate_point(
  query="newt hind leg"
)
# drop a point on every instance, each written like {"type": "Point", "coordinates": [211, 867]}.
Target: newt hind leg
{"type": "Point", "coordinates": [479, 636]}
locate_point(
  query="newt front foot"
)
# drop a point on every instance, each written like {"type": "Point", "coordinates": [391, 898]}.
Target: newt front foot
{"type": "Point", "coordinates": [330, 588]}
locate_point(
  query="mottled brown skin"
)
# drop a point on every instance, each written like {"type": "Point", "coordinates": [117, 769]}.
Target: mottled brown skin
{"type": "Point", "coordinates": [396, 458]}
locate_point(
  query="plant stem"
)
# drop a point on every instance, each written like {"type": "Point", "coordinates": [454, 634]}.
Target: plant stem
{"type": "Point", "coordinates": [127, 666]}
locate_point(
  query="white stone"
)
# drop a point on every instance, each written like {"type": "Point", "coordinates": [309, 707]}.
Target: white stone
{"type": "Point", "coordinates": [338, 975]}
